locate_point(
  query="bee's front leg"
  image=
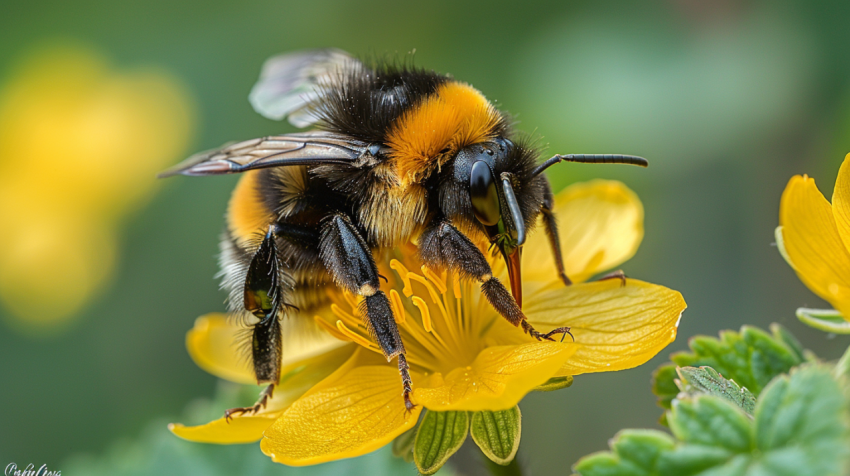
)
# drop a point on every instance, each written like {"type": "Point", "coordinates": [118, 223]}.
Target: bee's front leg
{"type": "Point", "coordinates": [444, 246]}
{"type": "Point", "coordinates": [349, 261]}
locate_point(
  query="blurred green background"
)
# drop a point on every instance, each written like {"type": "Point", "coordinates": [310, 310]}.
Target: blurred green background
{"type": "Point", "coordinates": [728, 99]}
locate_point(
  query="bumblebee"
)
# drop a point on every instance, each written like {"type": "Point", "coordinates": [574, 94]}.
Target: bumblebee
{"type": "Point", "coordinates": [398, 155]}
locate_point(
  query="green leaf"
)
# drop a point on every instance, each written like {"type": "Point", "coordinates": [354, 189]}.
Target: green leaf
{"type": "Point", "coordinates": [439, 436]}
{"type": "Point", "coordinates": [694, 380]}
{"type": "Point", "coordinates": [800, 428]}
{"type": "Point", "coordinates": [801, 424]}
{"type": "Point", "coordinates": [828, 320]}
{"type": "Point", "coordinates": [711, 422]}
{"type": "Point", "coordinates": [664, 384]}
{"type": "Point", "coordinates": [782, 334]}
{"type": "Point", "coordinates": [497, 434]}
{"type": "Point", "coordinates": [555, 383]}
{"type": "Point", "coordinates": [635, 454]}
{"type": "Point", "coordinates": [751, 358]}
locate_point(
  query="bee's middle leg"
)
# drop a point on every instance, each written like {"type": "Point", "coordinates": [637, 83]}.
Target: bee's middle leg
{"type": "Point", "coordinates": [444, 246]}
{"type": "Point", "coordinates": [349, 261]}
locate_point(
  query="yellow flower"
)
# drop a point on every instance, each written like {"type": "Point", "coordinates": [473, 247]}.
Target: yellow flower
{"type": "Point", "coordinates": [347, 401]}
{"type": "Point", "coordinates": [814, 238]}
{"type": "Point", "coordinates": [80, 145]}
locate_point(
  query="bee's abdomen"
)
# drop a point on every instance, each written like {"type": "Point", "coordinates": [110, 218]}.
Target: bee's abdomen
{"type": "Point", "coordinates": [248, 213]}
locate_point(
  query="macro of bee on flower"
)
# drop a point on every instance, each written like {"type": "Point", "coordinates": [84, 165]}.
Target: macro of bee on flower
{"type": "Point", "coordinates": [338, 397]}
{"type": "Point", "coordinates": [814, 238]}
{"type": "Point", "coordinates": [387, 234]}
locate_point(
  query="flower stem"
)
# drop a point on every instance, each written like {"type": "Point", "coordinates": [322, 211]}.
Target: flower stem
{"type": "Point", "coordinates": [512, 469]}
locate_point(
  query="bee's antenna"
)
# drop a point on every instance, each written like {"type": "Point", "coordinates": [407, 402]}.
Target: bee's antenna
{"type": "Point", "coordinates": [592, 159]}
{"type": "Point", "coordinates": [513, 205]}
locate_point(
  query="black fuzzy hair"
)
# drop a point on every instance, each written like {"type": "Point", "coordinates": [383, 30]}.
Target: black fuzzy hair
{"type": "Point", "coordinates": [521, 162]}
{"type": "Point", "coordinates": [365, 101]}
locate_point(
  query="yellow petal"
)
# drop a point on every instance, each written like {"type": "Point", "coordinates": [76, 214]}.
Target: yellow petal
{"type": "Point", "coordinates": [841, 202]}
{"type": "Point", "coordinates": [813, 242]}
{"type": "Point", "coordinates": [617, 327]}
{"type": "Point", "coordinates": [356, 410]}
{"type": "Point", "coordinates": [294, 382]}
{"type": "Point", "coordinates": [214, 345]}
{"type": "Point", "coordinates": [600, 224]}
{"type": "Point", "coordinates": [497, 379]}
{"type": "Point", "coordinates": [244, 429]}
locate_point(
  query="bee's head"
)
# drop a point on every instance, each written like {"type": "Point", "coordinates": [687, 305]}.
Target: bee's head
{"type": "Point", "coordinates": [492, 188]}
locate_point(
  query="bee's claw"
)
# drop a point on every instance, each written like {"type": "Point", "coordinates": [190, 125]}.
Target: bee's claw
{"type": "Point", "coordinates": [619, 274]}
{"type": "Point", "coordinates": [261, 403]}
{"type": "Point", "coordinates": [530, 330]}
{"type": "Point", "coordinates": [409, 406]}
{"type": "Point", "coordinates": [230, 413]}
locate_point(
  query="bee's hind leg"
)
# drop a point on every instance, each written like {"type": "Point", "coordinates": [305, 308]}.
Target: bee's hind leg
{"type": "Point", "coordinates": [266, 353]}
{"type": "Point", "coordinates": [265, 395]}
{"type": "Point", "coordinates": [349, 260]}
{"type": "Point", "coordinates": [263, 297]}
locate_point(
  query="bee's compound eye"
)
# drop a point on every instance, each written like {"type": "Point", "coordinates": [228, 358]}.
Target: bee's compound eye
{"type": "Point", "coordinates": [482, 191]}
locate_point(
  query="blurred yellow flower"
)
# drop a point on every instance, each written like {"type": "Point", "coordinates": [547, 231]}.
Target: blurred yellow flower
{"type": "Point", "coordinates": [346, 401]}
{"type": "Point", "coordinates": [814, 238]}
{"type": "Point", "coordinates": [80, 145]}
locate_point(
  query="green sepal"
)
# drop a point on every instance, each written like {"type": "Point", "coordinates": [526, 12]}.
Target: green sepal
{"type": "Point", "coordinates": [555, 383]}
{"type": "Point", "coordinates": [439, 436]}
{"type": "Point", "coordinates": [827, 320]}
{"type": "Point", "coordinates": [780, 245]}
{"type": "Point", "coordinates": [403, 444]}
{"type": "Point", "coordinates": [751, 357]}
{"type": "Point", "coordinates": [693, 380]}
{"type": "Point", "coordinates": [799, 428]}
{"type": "Point", "coordinates": [497, 433]}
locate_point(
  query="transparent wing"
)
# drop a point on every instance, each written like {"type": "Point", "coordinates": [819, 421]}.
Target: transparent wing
{"type": "Point", "coordinates": [305, 148]}
{"type": "Point", "coordinates": [290, 82]}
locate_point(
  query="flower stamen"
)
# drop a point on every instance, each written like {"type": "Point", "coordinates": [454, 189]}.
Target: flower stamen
{"type": "Point", "coordinates": [439, 282]}
{"type": "Point", "coordinates": [355, 337]}
{"type": "Point", "coordinates": [398, 307]}
{"type": "Point", "coordinates": [351, 299]}
{"type": "Point", "coordinates": [426, 314]}
{"type": "Point", "coordinates": [402, 273]}
{"type": "Point", "coordinates": [331, 329]}
{"type": "Point", "coordinates": [338, 312]}
{"type": "Point", "coordinates": [435, 298]}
